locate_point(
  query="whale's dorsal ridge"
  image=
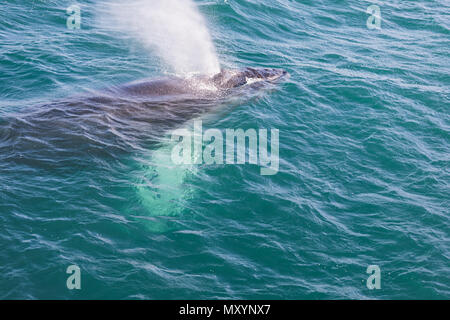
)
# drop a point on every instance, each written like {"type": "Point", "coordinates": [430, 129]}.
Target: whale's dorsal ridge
{"type": "Point", "coordinates": [201, 85]}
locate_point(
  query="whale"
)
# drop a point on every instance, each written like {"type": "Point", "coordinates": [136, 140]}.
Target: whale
{"type": "Point", "coordinates": [114, 135]}
{"type": "Point", "coordinates": [157, 105]}
{"type": "Point", "coordinates": [130, 114]}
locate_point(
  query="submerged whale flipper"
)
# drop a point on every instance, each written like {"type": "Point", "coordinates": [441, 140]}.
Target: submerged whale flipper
{"type": "Point", "coordinates": [161, 188]}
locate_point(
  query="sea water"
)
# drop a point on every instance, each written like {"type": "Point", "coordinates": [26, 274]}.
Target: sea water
{"type": "Point", "coordinates": [363, 175]}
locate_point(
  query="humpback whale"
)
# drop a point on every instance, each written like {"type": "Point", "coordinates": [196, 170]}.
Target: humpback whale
{"type": "Point", "coordinates": [127, 115]}
{"type": "Point", "coordinates": [107, 137]}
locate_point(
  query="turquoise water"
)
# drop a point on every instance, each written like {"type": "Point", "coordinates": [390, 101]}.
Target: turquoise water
{"type": "Point", "coordinates": [364, 158]}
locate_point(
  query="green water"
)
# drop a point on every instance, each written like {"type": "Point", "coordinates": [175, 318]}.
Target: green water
{"type": "Point", "coordinates": [364, 159]}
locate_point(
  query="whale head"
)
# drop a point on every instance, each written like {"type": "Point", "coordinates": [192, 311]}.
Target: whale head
{"type": "Point", "coordinates": [228, 79]}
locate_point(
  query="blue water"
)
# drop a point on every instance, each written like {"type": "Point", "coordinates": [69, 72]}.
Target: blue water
{"type": "Point", "coordinates": [363, 179]}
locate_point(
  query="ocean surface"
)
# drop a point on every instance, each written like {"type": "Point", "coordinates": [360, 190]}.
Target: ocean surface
{"type": "Point", "coordinates": [364, 152]}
